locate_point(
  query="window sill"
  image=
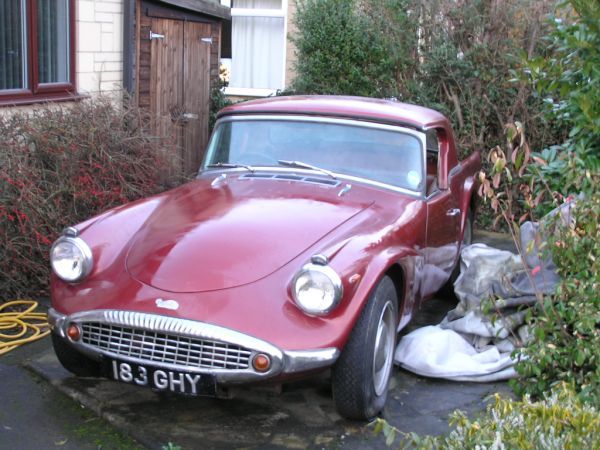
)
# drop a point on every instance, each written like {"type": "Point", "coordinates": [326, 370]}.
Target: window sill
{"type": "Point", "coordinates": [50, 98]}
{"type": "Point", "coordinates": [249, 92]}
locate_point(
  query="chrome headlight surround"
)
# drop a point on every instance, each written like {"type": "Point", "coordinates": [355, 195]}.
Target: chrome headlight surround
{"type": "Point", "coordinates": [313, 279]}
{"type": "Point", "coordinates": [82, 261]}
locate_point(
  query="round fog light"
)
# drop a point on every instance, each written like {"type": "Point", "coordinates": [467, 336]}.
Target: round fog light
{"type": "Point", "coordinates": [74, 332]}
{"type": "Point", "coordinates": [261, 362]}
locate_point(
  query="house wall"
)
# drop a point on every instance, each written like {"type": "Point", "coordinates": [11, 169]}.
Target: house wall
{"type": "Point", "coordinates": [290, 49]}
{"type": "Point", "coordinates": [98, 52]}
{"type": "Point", "coordinates": [99, 46]}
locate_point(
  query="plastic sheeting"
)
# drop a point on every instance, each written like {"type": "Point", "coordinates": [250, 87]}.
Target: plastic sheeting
{"type": "Point", "coordinates": [475, 340]}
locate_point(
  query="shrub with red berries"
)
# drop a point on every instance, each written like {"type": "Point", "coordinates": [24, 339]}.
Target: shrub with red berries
{"type": "Point", "coordinates": [61, 165]}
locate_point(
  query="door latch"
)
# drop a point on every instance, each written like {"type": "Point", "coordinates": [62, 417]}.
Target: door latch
{"type": "Point", "coordinates": [156, 35]}
{"type": "Point", "coordinates": [453, 212]}
{"type": "Point", "coordinates": [189, 116]}
{"type": "Point", "coordinates": [208, 40]}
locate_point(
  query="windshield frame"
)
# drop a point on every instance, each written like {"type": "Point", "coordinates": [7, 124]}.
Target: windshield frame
{"type": "Point", "coordinates": [420, 136]}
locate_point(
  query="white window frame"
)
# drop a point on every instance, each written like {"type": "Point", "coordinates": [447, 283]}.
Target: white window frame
{"type": "Point", "coordinates": [251, 12]}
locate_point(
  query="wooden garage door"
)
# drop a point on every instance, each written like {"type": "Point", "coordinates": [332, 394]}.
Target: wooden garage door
{"type": "Point", "coordinates": [179, 86]}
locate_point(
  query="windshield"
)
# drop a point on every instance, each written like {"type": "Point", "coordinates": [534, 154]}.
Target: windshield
{"type": "Point", "coordinates": [385, 155]}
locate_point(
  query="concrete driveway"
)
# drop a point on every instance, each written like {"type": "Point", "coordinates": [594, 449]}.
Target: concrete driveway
{"type": "Point", "coordinates": [301, 415]}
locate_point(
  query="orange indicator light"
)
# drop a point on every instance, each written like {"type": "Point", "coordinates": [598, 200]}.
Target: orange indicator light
{"type": "Point", "coordinates": [74, 332]}
{"type": "Point", "coordinates": [261, 362]}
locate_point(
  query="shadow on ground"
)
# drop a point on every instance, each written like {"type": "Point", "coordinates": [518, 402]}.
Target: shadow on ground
{"type": "Point", "coordinates": [302, 415]}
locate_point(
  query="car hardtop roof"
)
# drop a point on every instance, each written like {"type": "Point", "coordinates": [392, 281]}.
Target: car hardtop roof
{"type": "Point", "coordinates": [363, 108]}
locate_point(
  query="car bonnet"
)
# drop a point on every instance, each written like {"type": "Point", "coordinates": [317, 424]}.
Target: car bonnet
{"type": "Point", "coordinates": [222, 232]}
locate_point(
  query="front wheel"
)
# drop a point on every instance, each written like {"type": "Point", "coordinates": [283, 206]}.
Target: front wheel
{"type": "Point", "coordinates": [361, 375]}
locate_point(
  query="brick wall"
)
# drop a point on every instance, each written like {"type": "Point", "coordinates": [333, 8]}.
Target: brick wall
{"type": "Point", "coordinates": [99, 46]}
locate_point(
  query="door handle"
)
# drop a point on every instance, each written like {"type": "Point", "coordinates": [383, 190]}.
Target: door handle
{"type": "Point", "coordinates": [453, 212]}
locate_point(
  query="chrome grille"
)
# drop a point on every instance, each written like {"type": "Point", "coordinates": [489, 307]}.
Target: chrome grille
{"type": "Point", "coordinates": [159, 347]}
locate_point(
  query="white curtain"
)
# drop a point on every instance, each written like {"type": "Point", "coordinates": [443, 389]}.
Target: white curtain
{"type": "Point", "coordinates": [257, 48]}
{"type": "Point", "coordinates": [53, 43]}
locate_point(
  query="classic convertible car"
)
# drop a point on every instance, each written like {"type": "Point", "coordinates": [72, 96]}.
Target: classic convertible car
{"type": "Point", "coordinates": [315, 227]}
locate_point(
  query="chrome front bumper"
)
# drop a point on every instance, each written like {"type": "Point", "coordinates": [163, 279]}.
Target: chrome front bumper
{"type": "Point", "coordinates": [185, 345]}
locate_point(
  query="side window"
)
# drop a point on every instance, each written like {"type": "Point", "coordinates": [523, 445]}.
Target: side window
{"type": "Point", "coordinates": [433, 149]}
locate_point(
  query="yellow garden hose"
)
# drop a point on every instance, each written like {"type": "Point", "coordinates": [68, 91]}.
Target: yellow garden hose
{"type": "Point", "coordinates": [24, 323]}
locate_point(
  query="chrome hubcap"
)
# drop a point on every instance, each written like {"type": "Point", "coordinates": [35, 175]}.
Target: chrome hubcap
{"type": "Point", "coordinates": [384, 349]}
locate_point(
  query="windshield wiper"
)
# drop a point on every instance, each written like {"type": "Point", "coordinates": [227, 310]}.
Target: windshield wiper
{"type": "Point", "coordinates": [231, 166]}
{"type": "Point", "coordinates": [304, 165]}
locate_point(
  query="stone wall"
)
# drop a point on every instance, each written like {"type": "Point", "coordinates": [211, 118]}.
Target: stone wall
{"type": "Point", "coordinates": [99, 46]}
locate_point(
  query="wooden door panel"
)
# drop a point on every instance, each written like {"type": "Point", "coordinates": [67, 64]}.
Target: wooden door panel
{"type": "Point", "coordinates": [196, 78]}
{"type": "Point", "coordinates": [166, 83]}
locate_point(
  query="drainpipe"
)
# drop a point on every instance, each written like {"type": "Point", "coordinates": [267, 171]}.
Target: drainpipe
{"type": "Point", "coordinates": [128, 40]}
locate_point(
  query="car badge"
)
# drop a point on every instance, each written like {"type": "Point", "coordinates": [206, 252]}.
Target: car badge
{"type": "Point", "coordinates": [167, 304]}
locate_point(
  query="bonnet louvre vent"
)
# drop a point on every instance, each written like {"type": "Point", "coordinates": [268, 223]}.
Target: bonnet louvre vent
{"type": "Point", "coordinates": [291, 177]}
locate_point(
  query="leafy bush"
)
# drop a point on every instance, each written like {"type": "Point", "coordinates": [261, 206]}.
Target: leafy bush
{"type": "Point", "coordinates": [567, 325]}
{"type": "Point", "coordinates": [458, 57]}
{"type": "Point", "coordinates": [344, 47]}
{"type": "Point", "coordinates": [61, 165]}
{"type": "Point", "coordinates": [568, 80]}
{"type": "Point", "coordinates": [462, 58]}
{"type": "Point", "coordinates": [218, 99]}
{"type": "Point", "coordinates": [471, 54]}
{"type": "Point", "coordinates": [560, 421]}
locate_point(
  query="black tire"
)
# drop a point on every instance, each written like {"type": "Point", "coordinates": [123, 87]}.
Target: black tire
{"type": "Point", "coordinates": [74, 361]}
{"type": "Point", "coordinates": [354, 376]}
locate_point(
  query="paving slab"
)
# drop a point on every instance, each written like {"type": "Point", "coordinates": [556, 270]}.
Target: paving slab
{"type": "Point", "coordinates": [302, 415]}
{"type": "Point", "coordinates": [299, 415]}
{"type": "Point", "coordinates": [34, 415]}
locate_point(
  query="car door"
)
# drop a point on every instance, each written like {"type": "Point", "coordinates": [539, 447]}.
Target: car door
{"type": "Point", "coordinates": [443, 223]}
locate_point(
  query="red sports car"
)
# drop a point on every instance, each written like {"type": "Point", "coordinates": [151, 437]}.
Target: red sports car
{"type": "Point", "coordinates": [315, 227]}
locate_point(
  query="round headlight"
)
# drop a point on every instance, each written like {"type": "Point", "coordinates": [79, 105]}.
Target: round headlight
{"type": "Point", "coordinates": [71, 259]}
{"type": "Point", "coordinates": [317, 289]}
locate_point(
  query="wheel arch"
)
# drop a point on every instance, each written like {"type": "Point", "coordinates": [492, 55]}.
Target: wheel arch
{"type": "Point", "coordinates": [401, 270]}
{"type": "Point", "coordinates": [396, 274]}
{"type": "Point", "coordinates": [468, 202]}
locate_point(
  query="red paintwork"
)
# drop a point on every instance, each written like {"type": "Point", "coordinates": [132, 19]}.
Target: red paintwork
{"type": "Point", "coordinates": [377, 110]}
{"type": "Point", "coordinates": [228, 253]}
{"type": "Point", "coordinates": [198, 223]}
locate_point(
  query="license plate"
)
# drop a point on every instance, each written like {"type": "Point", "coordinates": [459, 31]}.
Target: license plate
{"type": "Point", "coordinates": [186, 383]}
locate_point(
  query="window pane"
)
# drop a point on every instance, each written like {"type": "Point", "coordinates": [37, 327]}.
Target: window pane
{"type": "Point", "coordinates": [257, 47]}
{"type": "Point", "coordinates": [257, 52]}
{"type": "Point", "coordinates": [386, 156]}
{"type": "Point", "coordinates": [53, 41]}
{"type": "Point", "coordinates": [12, 44]}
